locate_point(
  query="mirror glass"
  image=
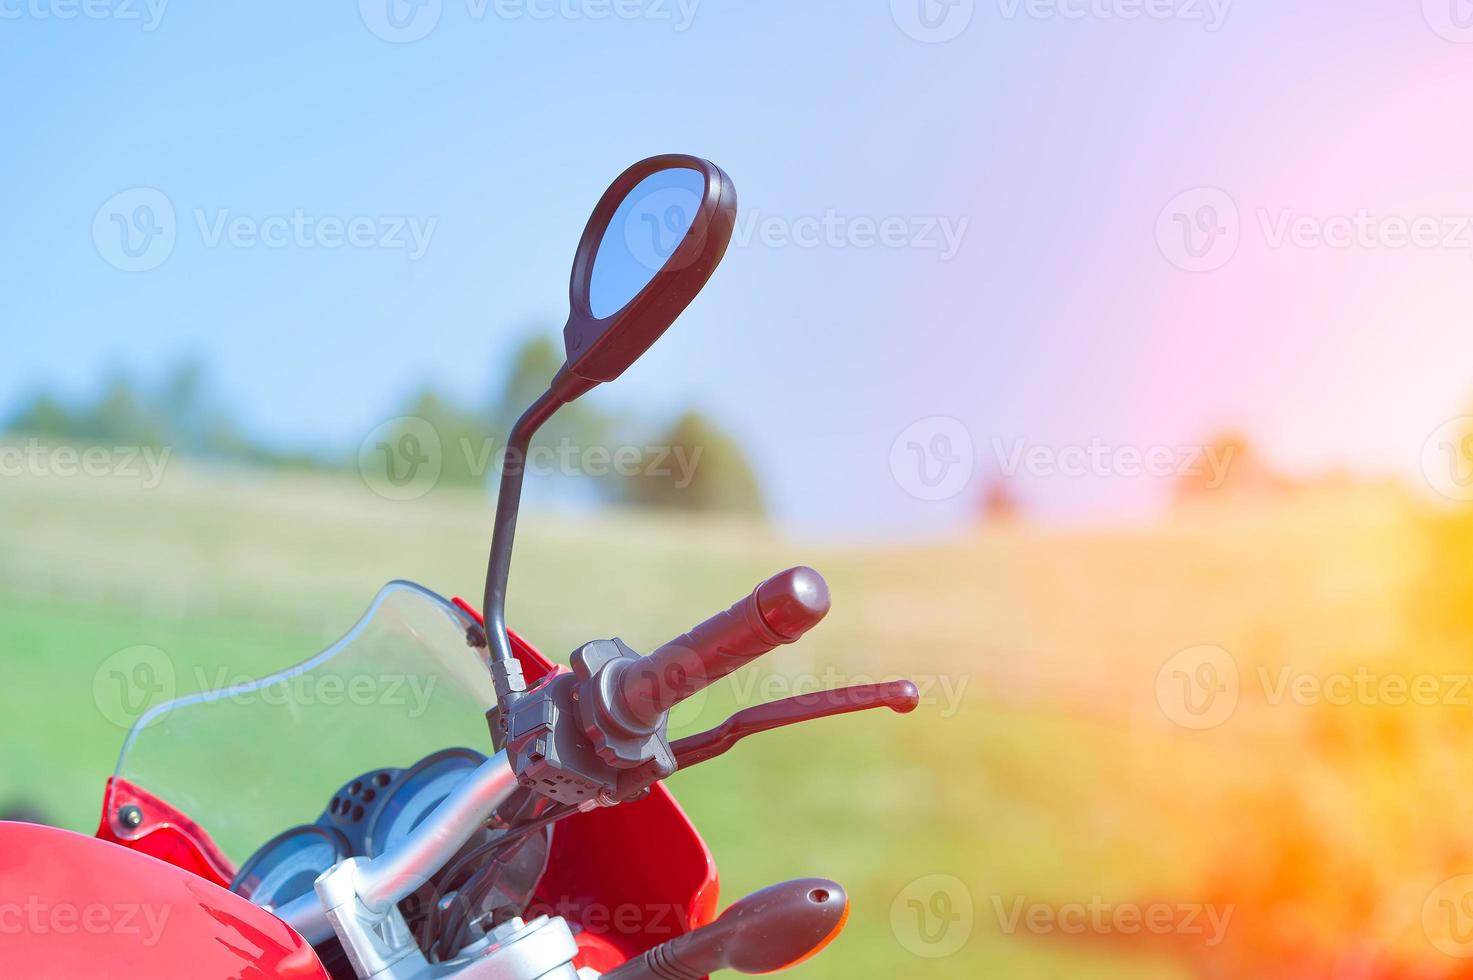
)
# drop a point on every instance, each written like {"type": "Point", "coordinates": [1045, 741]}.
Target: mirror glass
{"type": "Point", "coordinates": [644, 232]}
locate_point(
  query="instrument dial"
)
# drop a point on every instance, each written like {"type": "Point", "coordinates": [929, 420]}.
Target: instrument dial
{"type": "Point", "coordinates": [285, 867]}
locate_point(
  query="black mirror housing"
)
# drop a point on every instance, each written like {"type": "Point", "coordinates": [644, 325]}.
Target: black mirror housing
{"type": "Point", "coordinates": [600, 350]}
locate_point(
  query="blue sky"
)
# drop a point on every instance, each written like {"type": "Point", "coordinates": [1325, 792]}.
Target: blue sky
{"type": "Point", "coordinates": [1022, 293]}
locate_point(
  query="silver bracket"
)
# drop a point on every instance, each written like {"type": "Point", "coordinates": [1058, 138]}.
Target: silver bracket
{"type": "Point", "coordinates": [381, 947]}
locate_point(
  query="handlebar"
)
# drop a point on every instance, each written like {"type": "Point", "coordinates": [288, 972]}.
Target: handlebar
{"type": "Point", "coordinates": [778, 611]}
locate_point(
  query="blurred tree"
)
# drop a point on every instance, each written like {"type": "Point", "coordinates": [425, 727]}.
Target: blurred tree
{"type": "Point", "coordinates": [527, 377]}
{"type": "Point", "coordinates": [531, 370]}
{"type": "Point", "coordinates": [118, 415]}
{"type": "Point", "coordinates": [468, 446]}
{"type": "Point", "coordinates": [1230, 467]}
{"type": "Point", "coordinates": [1000, 504]}
{"type": "Point", "coordinates": [181, 413]}
{"type": "Point", "coordinates": [580, 432]}
{"type": "Point", "coordinates": [696, 466]}
{"type": "Point", "coordinates": [43, 415]}
{"type": "Point", "coordinates": [121, 415]}
{"type": "Point", "coordinates": [580, 453]}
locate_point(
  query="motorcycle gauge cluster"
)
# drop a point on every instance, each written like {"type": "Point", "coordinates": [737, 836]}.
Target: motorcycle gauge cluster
{"type": "Point", "coordinates": [288, 864]}
{"type": "Point", "coordinates": [366, 815]}
{"type": "Point", "coordinates": [410, 797]}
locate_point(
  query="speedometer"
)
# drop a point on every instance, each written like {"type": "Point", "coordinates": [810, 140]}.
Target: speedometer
{"type": "Point", "coordinates": [414, 794]}
{"type": "Point", "coordinates": [285, 867]}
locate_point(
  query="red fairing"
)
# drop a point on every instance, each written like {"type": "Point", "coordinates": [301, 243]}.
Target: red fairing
{"type": "Point", "coordinates": [73, 906]}
{"type": "Point", "coordinates": [162, 832]}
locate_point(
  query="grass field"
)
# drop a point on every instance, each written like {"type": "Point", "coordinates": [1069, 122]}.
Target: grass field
{"type": "Point", "coordinates": [1045, 771]}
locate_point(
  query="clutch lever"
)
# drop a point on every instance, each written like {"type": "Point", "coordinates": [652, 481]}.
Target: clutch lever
{"type": "Point", "coordinates": [899, 696]}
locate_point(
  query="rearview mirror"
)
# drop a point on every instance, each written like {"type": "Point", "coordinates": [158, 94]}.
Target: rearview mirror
{"type": "Point", "coordinates": [653, 241]}
{"type": "Point", "coordinates": [656, 236]}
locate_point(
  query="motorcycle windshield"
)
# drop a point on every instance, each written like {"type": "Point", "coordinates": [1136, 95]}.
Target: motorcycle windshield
{"type": "Point", "coordinates": [247, 762]}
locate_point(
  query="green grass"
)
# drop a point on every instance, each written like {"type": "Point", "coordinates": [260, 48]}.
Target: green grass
{"type": "Point", "coordinates": [1053, 778]}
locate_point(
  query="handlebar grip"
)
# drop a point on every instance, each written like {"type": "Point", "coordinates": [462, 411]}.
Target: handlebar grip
{"type": "Point", "coordinates": [774, 929]}
{"type": "Point", "coordinates": [778, 611]}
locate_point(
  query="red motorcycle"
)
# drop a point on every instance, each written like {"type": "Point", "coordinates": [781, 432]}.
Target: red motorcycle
{"type": "Point", "coordinates": [560, 854]}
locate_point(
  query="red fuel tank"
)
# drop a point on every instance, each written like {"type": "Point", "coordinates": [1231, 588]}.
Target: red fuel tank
{"type": "Point", "coordinates": [75, 906]}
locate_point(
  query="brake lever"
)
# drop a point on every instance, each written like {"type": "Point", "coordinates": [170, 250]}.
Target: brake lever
{"type": "Point", "coordinates": [899, 696]}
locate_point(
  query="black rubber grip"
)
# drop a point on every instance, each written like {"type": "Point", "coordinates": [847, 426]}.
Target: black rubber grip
{"type": "Point", "coordinates": [778, 611]}
{"type": "Point", "coordinates": [771, 930]}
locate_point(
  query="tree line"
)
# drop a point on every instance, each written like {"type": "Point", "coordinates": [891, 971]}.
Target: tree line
{"type": "Point", "coordinates": [690, 463]}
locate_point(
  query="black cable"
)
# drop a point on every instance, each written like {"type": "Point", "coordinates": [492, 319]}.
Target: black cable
{"type": "Point", "coordinates": [470, 897]}
{"type": "Point", "coordinates": [477, 887]}
{"type": "Point", "coordinates": [427, 931]}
